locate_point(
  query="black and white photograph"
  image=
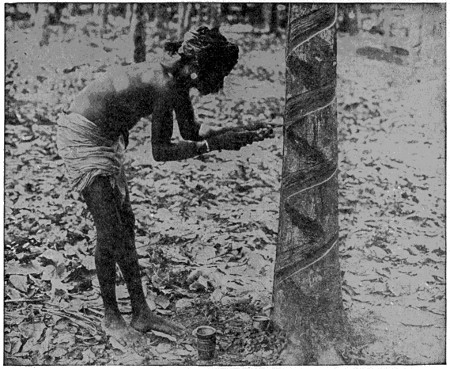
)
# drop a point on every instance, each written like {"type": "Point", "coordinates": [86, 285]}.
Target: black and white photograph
{"type": "Point", "coordinates": [224, 184]}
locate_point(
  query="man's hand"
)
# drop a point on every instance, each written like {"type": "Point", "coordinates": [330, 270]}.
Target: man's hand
{"type": "Point", "coordinates": [262, 133]}
{"type": "Point", "coordinates": [234, 140]}
{"type": "Point", "coordinates": [255, 126]}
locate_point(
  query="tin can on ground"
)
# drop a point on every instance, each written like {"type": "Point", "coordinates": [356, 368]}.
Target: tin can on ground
{"type": "Point", "coordinates": [206, 342]}
{"type": "Point", "coordinates": [261, 322]}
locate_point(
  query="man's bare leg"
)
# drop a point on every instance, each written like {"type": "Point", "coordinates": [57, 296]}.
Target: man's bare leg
{"type": "Point", "coordinates": [106, 220]}
{"type": "Point", "coordinates": [143, 319]}
{"type": "Point", "coordinates": [106, 271]}
{"type": "Point", "coordinates": [115, 243]}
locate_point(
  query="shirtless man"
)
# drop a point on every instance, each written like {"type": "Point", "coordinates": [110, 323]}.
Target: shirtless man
{"type": "Point", "coordinates": [94, 133]}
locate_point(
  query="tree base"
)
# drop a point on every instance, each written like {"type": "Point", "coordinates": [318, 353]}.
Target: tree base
{"type": "Point", "coordinates": [304, 354]}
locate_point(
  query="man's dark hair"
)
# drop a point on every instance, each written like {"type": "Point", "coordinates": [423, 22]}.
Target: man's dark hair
{"type": "Point", "coordinates": [208, 48]}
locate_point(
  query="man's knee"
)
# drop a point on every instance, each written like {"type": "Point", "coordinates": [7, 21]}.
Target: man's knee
{"type": "Point", "coordinates": [128, 221]}
{"type": "Point", "coordinates": [127, 216]}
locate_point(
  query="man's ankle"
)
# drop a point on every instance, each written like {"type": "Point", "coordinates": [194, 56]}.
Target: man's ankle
{"type": "Point", "coordinates": [112, 312]}
{"type": "Point", "coordinates": [141, 308]}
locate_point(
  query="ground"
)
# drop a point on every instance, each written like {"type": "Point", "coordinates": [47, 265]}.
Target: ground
{"type": "Point", "coordinates": [206, 227]}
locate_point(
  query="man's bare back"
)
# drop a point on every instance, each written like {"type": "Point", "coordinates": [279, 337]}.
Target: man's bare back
{"type": "Point", "coordinates": [123, 96]}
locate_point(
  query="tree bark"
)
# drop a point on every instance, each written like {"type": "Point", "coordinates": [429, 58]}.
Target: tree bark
{"type": "Point", "coordinates": [307, 289]}
{"type": "Point", "coordinates": [137, 29]}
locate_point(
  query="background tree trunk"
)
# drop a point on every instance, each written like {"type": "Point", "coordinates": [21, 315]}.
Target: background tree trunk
{"type": "Point", "coordinates": [137, 29]}
{"type": "Point", "coordinates": [274, 19]}
{"type": "Point", "coordinates": [104, 18]}
{"type": "Point", "coordinates": [307, 289]}
{"type": "Point", "coordinates": [184, 19]}
{"type": "Point", "coordinates": [159, 16]}
{"type": "Point", "coordinates": [129, 12]}
{"type": "Point", "coordinates": [267, 15]}
{"type": "Point", "coordinates": [40, 23]}
{"type": "Point", "coordinates": [215, 15]}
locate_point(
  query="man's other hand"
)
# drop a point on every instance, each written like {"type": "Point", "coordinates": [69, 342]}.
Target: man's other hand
{"type": "Point", "coordinates": [231, 140]}
{"type": "Point", "coordinates": [263, 133]}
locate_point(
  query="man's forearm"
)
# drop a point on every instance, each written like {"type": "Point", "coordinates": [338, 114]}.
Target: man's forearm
{"type": "Point", "coordinates": [179, 150]}
{"type": "Point", "coordinates": [207, 131]}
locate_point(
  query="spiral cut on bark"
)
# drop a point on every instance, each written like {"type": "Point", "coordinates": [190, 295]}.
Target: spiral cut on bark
{"type": "Point", "coordinates": [307, 296]}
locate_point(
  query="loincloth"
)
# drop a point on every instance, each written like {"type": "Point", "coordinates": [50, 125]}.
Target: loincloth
{"type": "Point", "coordinates": [87, 153]}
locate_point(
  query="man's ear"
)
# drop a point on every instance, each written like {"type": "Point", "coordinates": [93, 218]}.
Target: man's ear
{"type": "Point", "coordinates": [167, 70]}
{"type": "Point", "coordinates": [189, 69]}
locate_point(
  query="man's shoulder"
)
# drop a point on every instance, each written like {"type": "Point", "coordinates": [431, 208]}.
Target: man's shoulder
{"type": "Point", "coordinates": [141, 75]}
{"type": "Point", "coordinates": [149, 72]}
{"type": "Point", "coordinates": [133, 70]}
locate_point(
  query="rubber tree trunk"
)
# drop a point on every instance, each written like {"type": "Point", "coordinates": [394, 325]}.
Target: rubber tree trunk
{"type": "Point", "coordinates": [138, 31]}
{"type": "Point", "coordinates": [307, 290]}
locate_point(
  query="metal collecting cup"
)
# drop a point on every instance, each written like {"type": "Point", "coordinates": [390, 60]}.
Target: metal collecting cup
{"type": "Point", "coordinates": [206, 342]}
{"type": "Point", "coordinates": [261, 322]}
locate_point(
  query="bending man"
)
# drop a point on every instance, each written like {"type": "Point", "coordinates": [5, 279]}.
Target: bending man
{"type": "Point", "coordinates": [94, 134]}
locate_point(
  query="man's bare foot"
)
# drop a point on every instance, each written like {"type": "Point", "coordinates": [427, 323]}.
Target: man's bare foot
{"type": "Point", "coordinates": [113, 321]}
{"type": "Point", "coordinates": [115, 326]}
{"type": "Point", "coordinates": [147, 321]}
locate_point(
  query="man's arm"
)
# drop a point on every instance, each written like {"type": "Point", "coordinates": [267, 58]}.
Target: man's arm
{"type": "Point", "coordinates": [162, 128]}
{"type": "Point", "coordinates": [189, 128]}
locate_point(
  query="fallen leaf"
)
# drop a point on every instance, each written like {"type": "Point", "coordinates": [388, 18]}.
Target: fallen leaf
{"type": "Point", "coordinates": [131, 358]}
{"type": "Point", "coordinates": [244, 317]}
{"type": "Point", "coordinates": [58, 352]}
{"type": "Point", "coordinates": [183, 303]}
{"type": "Point", "coordinates": [217, 295]}
{"type": "Point", "coordinates": [88, 356]}
{"type": "Point", "coordinates": [17, 361]}
{"type": "Point", "coordinates": [20, 282]}
{"type": "Point", "coordinates": [165, 335]}
{"type": "Point", "coordinates": [22, 269]}
{"type": "Point", "coordinates": [201, 284]}
{"type": "Point", "coordinates": [49, 272]}
{"type": "Point", "coordinates": [205, 254]}
{"type": "Point", "coordinates": [162, 301]}
{"type": "Point", "coordinates": [88, 262]}
{"type": "Point", "coordinates": [64, 337]}
{"type": "Point", "coordinates": [54, 256]}
{"type": "Point", "coordinates": [163, 347]}
{"type": "Point", "coordinates": [116, 344]}
{"type": "Point", "coordinates": [164, 311]}
{"type": "Point", "coordinates": [151, 302]}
